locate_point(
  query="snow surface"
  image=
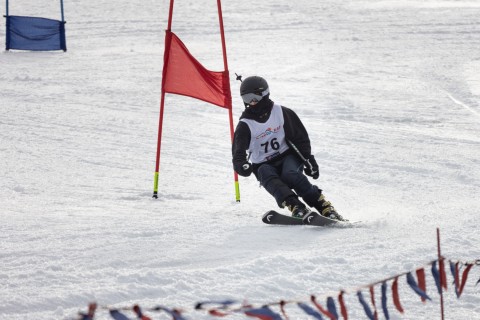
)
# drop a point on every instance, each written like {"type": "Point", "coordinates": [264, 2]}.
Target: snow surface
{"type": "Point", "coordinates": [389, 91]}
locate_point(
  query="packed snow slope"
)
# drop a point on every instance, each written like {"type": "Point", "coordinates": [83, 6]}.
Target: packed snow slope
{"type": "Point", "coordinates": [389, 91]}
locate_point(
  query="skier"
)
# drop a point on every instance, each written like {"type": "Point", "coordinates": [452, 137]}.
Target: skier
{"type": "Point", "coordinates": [271, 141]}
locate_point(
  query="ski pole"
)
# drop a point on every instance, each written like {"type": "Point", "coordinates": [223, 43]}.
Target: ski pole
{"type": "Point", "coordinates": [305, 161]}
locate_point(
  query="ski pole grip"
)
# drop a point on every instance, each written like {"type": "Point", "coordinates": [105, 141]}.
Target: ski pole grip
{"type": "Point", "coordinates": [307, 162]}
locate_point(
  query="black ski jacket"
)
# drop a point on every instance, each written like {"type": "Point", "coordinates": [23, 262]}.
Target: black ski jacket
{"type": "Point", "coordinates": [294, 131]}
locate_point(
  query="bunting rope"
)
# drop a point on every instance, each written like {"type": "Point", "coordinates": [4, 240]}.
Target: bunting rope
{"type": "Point", "coordinates": [312, 307]}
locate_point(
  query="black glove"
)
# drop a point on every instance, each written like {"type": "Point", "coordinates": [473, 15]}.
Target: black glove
{"type": "Point", "coordinates": [245, 169]}
{"type": "Point", "coordinates": [311, 167]}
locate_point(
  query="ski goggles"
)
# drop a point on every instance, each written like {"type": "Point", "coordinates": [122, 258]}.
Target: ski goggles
{"type": "Point", "coordinates": [254, 97]}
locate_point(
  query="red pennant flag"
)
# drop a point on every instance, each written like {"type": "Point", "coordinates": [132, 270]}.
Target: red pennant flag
{"type": "Point", "coordinates": [282, 309]}
{"type": "Point", "coordinates": [421, 281]}
{"type": "Point", "coordinates": [216, 313]}
{"type": "Point", "coordinates": [464, 279]}
{"type": "Point", "coordinates": [321, 309]}
{"type": "Point", "coordinates": [372, 297]}
{"type": "Point", "coordinates": [184, 75]}
{"type": "Point", "coordinates": [343, 308]}
{"type": "Point", "coordinates": [396, 298]}
{"type": "Point", "coordinates": [443, 274]}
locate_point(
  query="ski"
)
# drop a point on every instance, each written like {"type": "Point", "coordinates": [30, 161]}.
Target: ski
{"type": "Point", "coordinates": [315, 219]}
{"type": "Point", "coordinates": [311, 219]}
{"type": "Point", "coordinates": [273, 217]}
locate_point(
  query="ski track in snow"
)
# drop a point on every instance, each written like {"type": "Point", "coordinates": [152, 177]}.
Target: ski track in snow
{"type": "Point", "coordinates": [389, 91]}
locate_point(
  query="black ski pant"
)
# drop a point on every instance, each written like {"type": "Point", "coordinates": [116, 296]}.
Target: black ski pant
{"type": "Point", "coordinates": [279, 178]}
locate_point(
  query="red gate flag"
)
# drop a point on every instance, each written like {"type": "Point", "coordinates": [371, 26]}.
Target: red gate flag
{"type": "Point", "coordinates": [184, 75]}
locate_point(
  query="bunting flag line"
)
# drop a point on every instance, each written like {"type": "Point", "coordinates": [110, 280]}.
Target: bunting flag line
{"type": "Point", "coordinates": [223, 308]}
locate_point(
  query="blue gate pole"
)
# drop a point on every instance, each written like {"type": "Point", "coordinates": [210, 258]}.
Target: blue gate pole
{"type": "Point", "coordinates": [6, 12]}
{"type": "Point", "coordinates": [61, 7]}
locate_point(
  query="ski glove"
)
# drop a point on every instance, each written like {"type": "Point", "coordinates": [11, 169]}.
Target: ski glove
{"type": "Point", "coordinates": [311, 167]}
{"type": "Point", "coordinates": [246, 169]}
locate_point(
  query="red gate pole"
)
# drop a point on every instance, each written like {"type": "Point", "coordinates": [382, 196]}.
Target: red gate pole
{"type": "Point", "coordinates": [440, 262]}
{"type": "Point", "coordinates": [168, 40]}
{"type": "Point", "coordinates": [229, 106]}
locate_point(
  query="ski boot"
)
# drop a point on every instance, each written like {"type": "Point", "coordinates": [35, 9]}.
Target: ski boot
{"type": "Point", "coordinates": [298, 209]}
{"type": "Point", "coordinates": [326, 209]}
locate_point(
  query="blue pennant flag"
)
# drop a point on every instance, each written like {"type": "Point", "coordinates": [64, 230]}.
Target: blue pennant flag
{"type": "Point", "coordinates": [263, 313]}
{"type": "Point", "coordinates": [455, 277]}
{"type": "Point", "coordinates": [117, 315]}
{"type": "Point", "coordinates": [310, 311]}
{"type": "Point", "coordinates": [436, 276]}
{"type": "Point", "coordinates": [365, 305]}
{"type": "Point", "coordinates": [223, 303]}
{"type": "Point", "coordinates": [384, 300]}
{"type": "Point", "coordinates": [175, 314]}
{"type": "Point", "coordinates": [331, 307]}
{"type": "Point", "coordinates": [413, 284]}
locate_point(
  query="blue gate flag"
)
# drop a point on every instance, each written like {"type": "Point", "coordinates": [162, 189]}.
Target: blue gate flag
{"type": "Point", "coordinates": [33, 33]}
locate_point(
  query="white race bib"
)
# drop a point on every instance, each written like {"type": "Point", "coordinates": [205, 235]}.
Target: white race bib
{"type": "Point", "coordinates": [267, 139]}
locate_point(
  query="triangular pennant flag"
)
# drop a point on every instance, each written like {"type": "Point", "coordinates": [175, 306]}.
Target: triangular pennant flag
{"type": "Point", "coordinates": [139, 313]}
{"type": "Point", "coordinates": [365, 305]}
{"type": "Point", "coordinates": [464, 278]}
{"type": "Point", "coordinates": [396, 297]}
{"type": "Point", "coordinates": [421, 281]}
{"type": "Point", "coordinates": [176, 314]}
{"type": "Point", "coordinates": [217, 313]}
{"type": "Point", "coordinates": [321, 309]}
{"type": "Point", "coordinates": [282, 309]}
{"type": "Point", "coordinates": [412, 283]}
{"type": "Point", "coordinates": [184, 75]}
{"type": "Point", "coordinates": [308, 310]}
{"type": "Point", "coordinates": [384, 300]}
{"type": "Point", "coordinates": [372, 298]}
{"type": "Point", "coordinates": [343, 308]}
{"type": "Point", "coordinates": [443, 274]}
{"type": "Point", "coordinates": [454, 271]}
{"type": "Point", "coordinates": [92, 307]}
{"type": "Point", "coordinates": [436, 277]}
{"type": "Point", "coordinates": [117, 315]}
{"type": "Point", "coordinates": [331, 307]}
{"type": "Point", "coordinates": [221, 303]}
{"type": "Point", "coordinates": [264, 313]}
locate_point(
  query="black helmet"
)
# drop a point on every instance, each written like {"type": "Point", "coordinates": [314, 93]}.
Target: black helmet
{"type": "Point", "coordinates": [253, 89]}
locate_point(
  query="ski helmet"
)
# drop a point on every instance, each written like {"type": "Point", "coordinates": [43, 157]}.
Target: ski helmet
{"type": "Point", "coordinates": [253, 89]}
